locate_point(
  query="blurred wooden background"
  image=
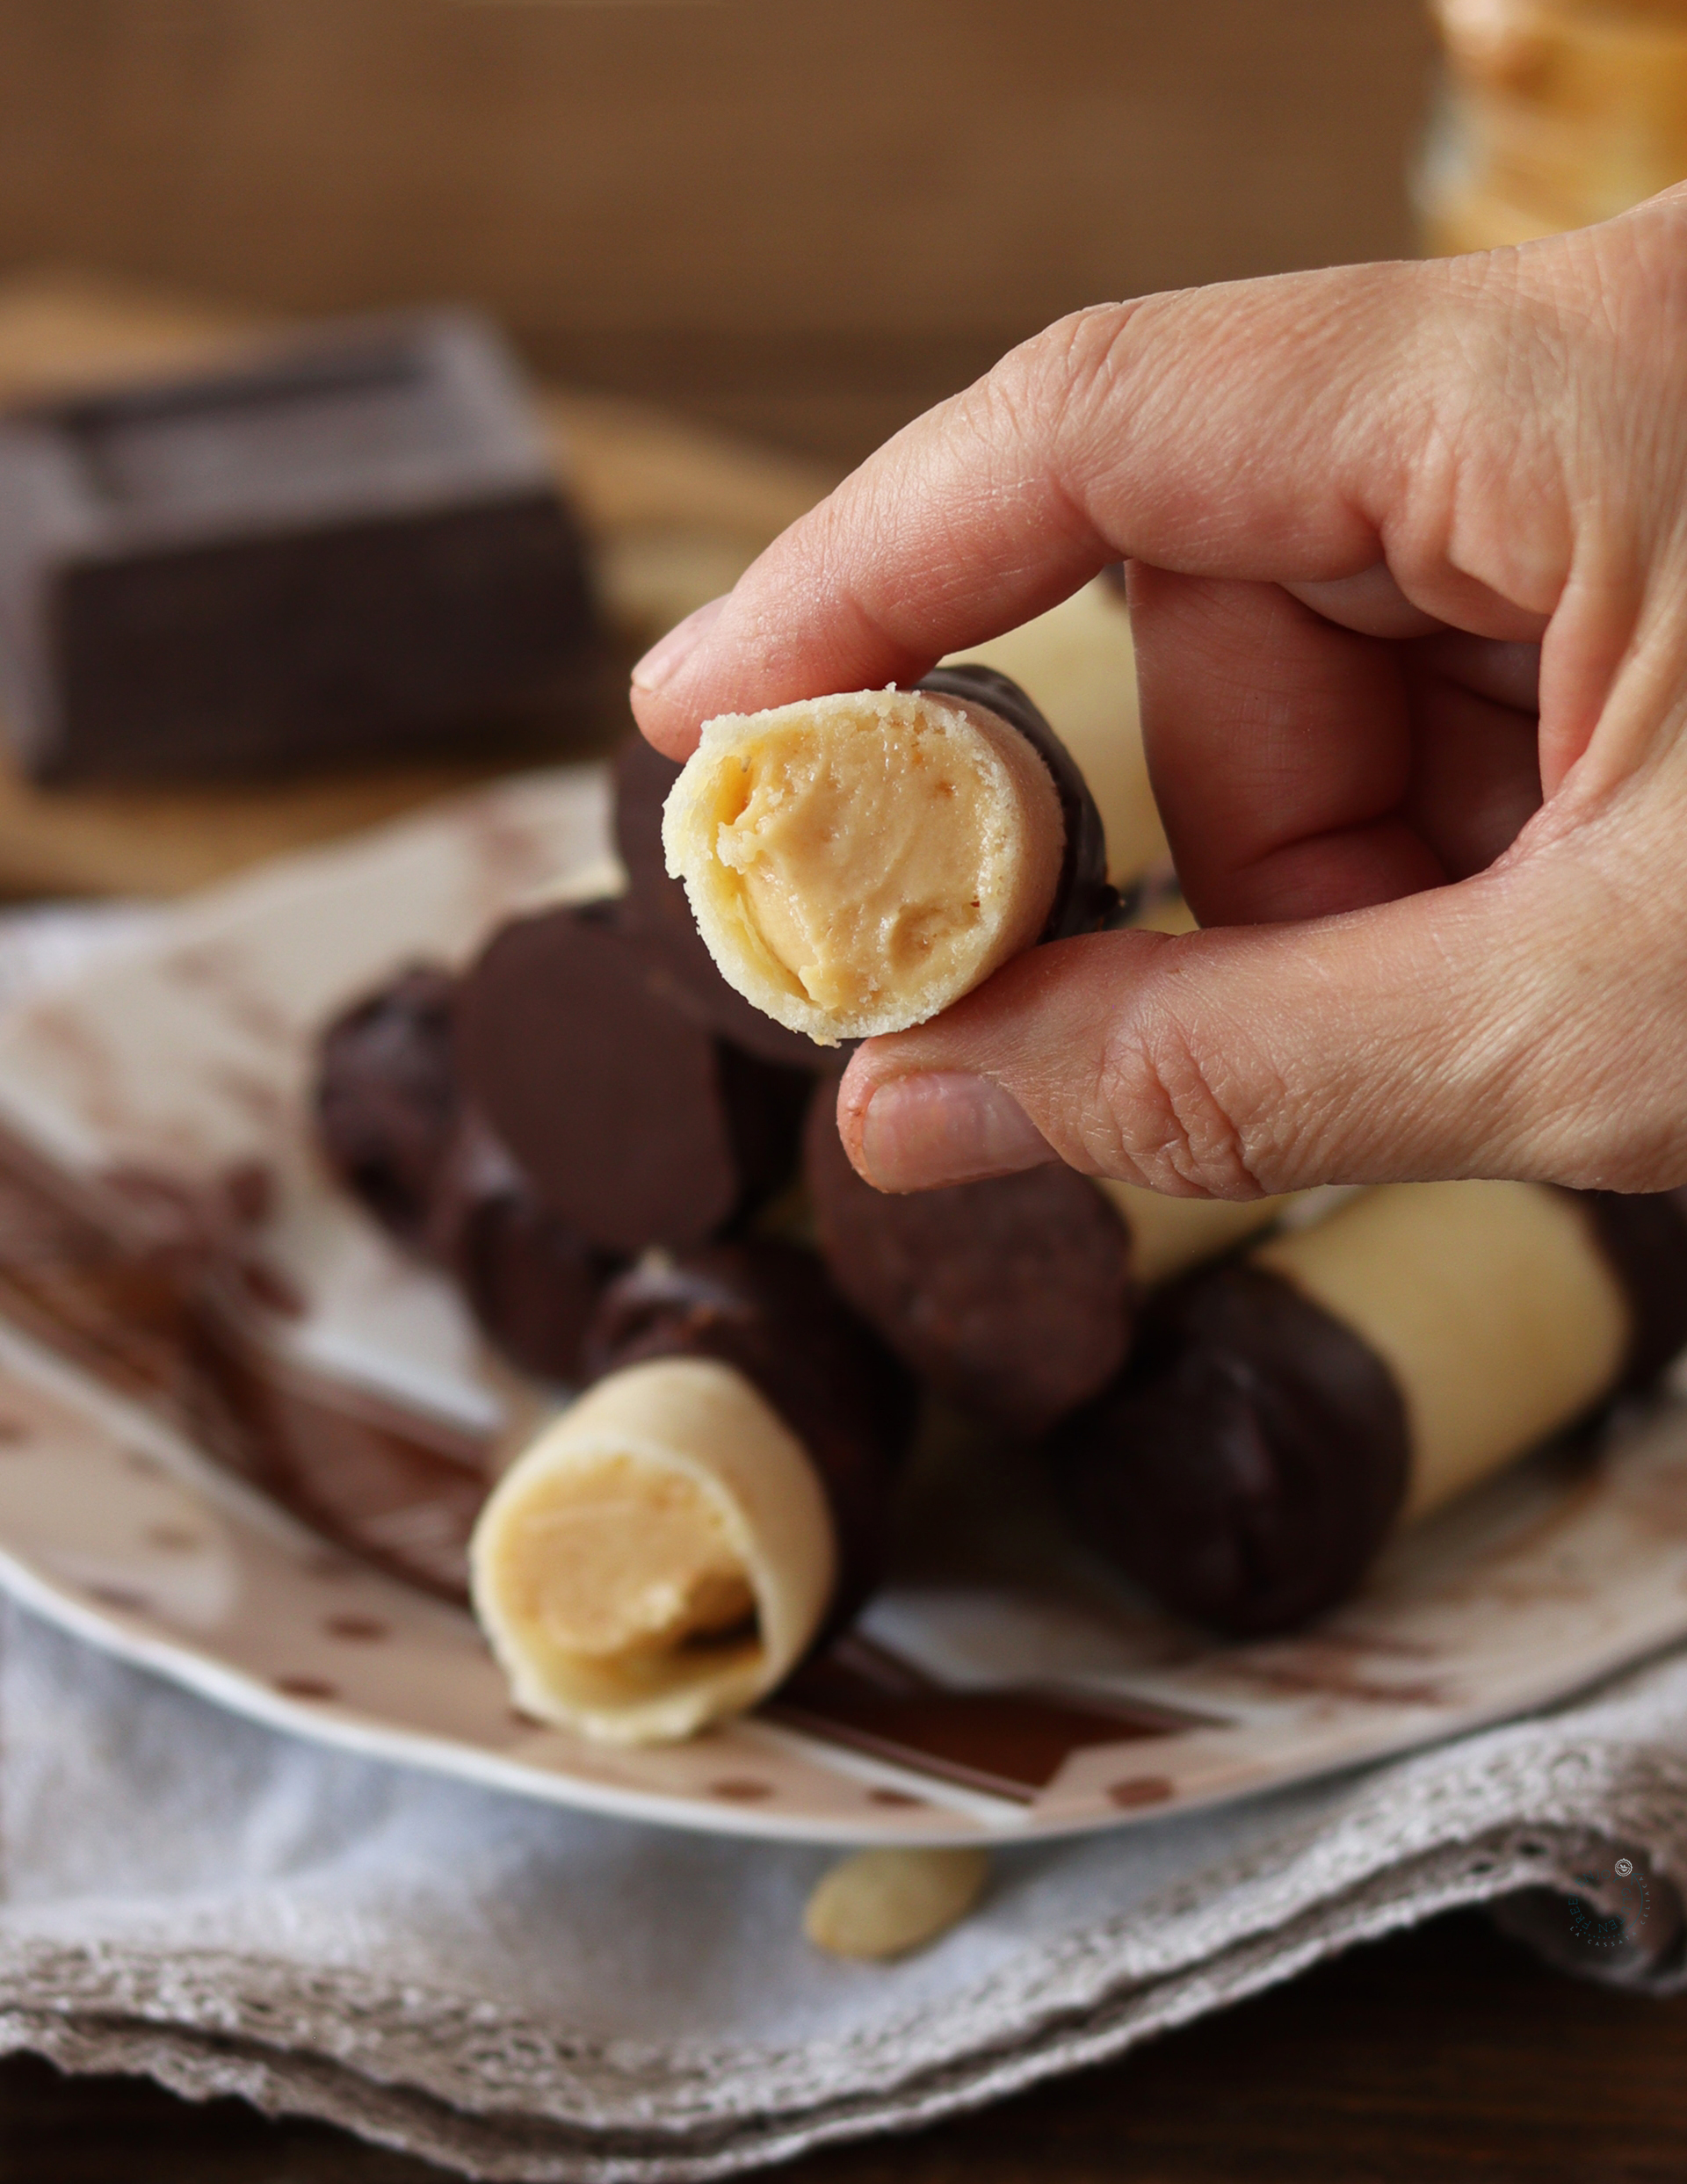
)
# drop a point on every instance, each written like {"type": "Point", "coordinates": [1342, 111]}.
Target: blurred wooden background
{"type": "Point", "coordinates": [806, 219]}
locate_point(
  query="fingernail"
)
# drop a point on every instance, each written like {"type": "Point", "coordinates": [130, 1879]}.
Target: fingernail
{"type": "Point", "coordinates": [946, 1128]}
{"type": "Point", "coordinates": [669, 654]}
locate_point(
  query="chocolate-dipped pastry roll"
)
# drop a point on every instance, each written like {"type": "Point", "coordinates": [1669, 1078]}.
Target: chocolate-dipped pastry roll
{"type": "Point", "coordinates": [1016, 1297]}
{"type": "Point", "coordinates": [1083, 896]}
{"type": "Point", "coordinates": [668, 1550]}
{"type": "Point", "coordinates": [857, 863]}
{"type": "Point", "coordinates": [531, 1279]}
{"type": "Point", "coordinates": [1171, 1236]}
{"type": "Point", "coordinates": [1285, 1412]}
{"type": "Point", "coordinates": [1079, 661]}
{"type": "Point", "coordinates": [635, 1123]}
{"type": "Point", "coordinates": [393, 1126]}
{"type": "Point", "coordinates": [387, 1096]}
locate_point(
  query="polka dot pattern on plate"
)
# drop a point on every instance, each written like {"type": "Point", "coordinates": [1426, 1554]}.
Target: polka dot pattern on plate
{"type": "Point", "coordinates": [360, 1630]}
{"type": "Point", "coordinates": [1140, 1790]}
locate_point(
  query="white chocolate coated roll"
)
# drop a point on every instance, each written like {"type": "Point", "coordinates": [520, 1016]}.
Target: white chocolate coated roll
{"type": "Point", "coordinates": [855, 864]}
{"type": "Point", "coordinates": [662, 1555]}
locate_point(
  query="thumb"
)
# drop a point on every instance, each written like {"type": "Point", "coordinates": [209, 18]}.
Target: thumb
{"type": "Point", "coordinates": [1512, 1025]}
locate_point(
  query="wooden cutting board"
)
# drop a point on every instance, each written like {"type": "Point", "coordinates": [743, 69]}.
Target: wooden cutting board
{"type": "Point", "coordinates": [675, 513]}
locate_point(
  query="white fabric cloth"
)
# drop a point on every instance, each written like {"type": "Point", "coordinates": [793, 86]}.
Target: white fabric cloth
{"type": "Point", "coordinates": [521, 1992]}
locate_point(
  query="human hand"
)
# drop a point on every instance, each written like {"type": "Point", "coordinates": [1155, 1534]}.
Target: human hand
{"type": "Point", "coordinates": [1407, 557]}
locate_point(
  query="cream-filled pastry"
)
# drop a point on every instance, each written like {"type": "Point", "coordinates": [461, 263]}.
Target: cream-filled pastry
{"type": "Point", "coordinates": [665, 1552]}
{"type": "Point", "coordinates": [1017, 1295]}
{"type": "Point", "coordinates": [660, 1556]}
{"type": "Point", "coordinates": [1079, 663]}
{"type": "Point", "coordinates": [856, 864]}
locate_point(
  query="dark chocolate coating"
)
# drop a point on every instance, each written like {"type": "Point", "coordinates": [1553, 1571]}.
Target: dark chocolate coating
{"type": "Point", "coordinates": [350, 546]}
{"type": "Point", "coordinates": [767, 1308]}
{"type": "Point", "coordinates": [656, 916]}
{"type": "Point", "coordinates": [642, 779]}
{"type": "Point", "coordinates": [633, 1123]}
{"type": "Point", "coordinates": [1248, 1465]}
{"type": "Point", "coordinates": [393, 1126]}
{"type": "Point", "coordinates": [532, 1281]}
{"type": "Point", "coordinates": [387, 1100]}
{"type": "Point", "coordinates": [1644, 1238]}
{"type": "Point", "coordinates": [1083, 897]}
{"type": "Point", "coordinates": [1012, 1296]}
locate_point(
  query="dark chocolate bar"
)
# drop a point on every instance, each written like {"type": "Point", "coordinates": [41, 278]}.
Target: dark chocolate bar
{"type": "Point", "coordinates": [350, 547]}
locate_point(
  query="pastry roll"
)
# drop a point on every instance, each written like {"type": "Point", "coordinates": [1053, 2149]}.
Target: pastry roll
{"type": "Point", "coordinates": [668, 1550]}
{"type": "Point", "coordinates": [1286, 1411]}
{"type": "Point", "coordinates": [856, 864]}
{"type": "Point", "coordinates": [637, 1124]}
{"type": "Point", "coordinates": [532, 1125]}
{"type": "Point", "coordinates": [386, 1104]}
{"type": "Point", "coordinates": [656, 917]}
{"type": "Point", "coordinates": [393, 1126]}
{"type": "Point", "coordinates": [1079, 659]}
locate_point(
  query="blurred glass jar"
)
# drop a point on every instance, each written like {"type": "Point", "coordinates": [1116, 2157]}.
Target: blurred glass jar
{"type": "Point", "coordinates": [1554, 113]}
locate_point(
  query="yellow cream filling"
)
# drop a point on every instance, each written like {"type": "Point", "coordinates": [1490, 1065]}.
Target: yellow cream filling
{"type": "Point", "coordinates": [858, 851]}
{"type": "Point", "coordinates": [626, 1558]}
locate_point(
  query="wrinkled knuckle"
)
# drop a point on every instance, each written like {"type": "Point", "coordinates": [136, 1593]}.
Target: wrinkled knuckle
{"type": "Point", "coordinates": [1065, 370]}
{"type": "Point", "coordinates": [1086, 356]}
{"type": "Point", "coordinates": [1184, 1117]}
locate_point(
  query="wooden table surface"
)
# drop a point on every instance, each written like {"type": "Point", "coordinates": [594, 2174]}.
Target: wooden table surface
{"type": "Point", "coordinates": [1444, 2055]}
{"type": "Point", "coordinates": [805, 223]}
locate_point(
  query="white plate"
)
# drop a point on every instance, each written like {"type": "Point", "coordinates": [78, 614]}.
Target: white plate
{"type": "Point", "coordinates": [1001, 1686]}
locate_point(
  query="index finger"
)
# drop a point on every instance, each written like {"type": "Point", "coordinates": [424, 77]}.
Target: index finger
{"type": "Point", "coordinates": [1268, 429]}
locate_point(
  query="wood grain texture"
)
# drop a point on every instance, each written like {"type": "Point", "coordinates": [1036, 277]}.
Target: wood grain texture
{"type": "Point", "coordinates": [807, 223]}
{"type": "Point", "coordinates": [1448, 2054]}
{"type": "Point", "coordinates": [809, 220]}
